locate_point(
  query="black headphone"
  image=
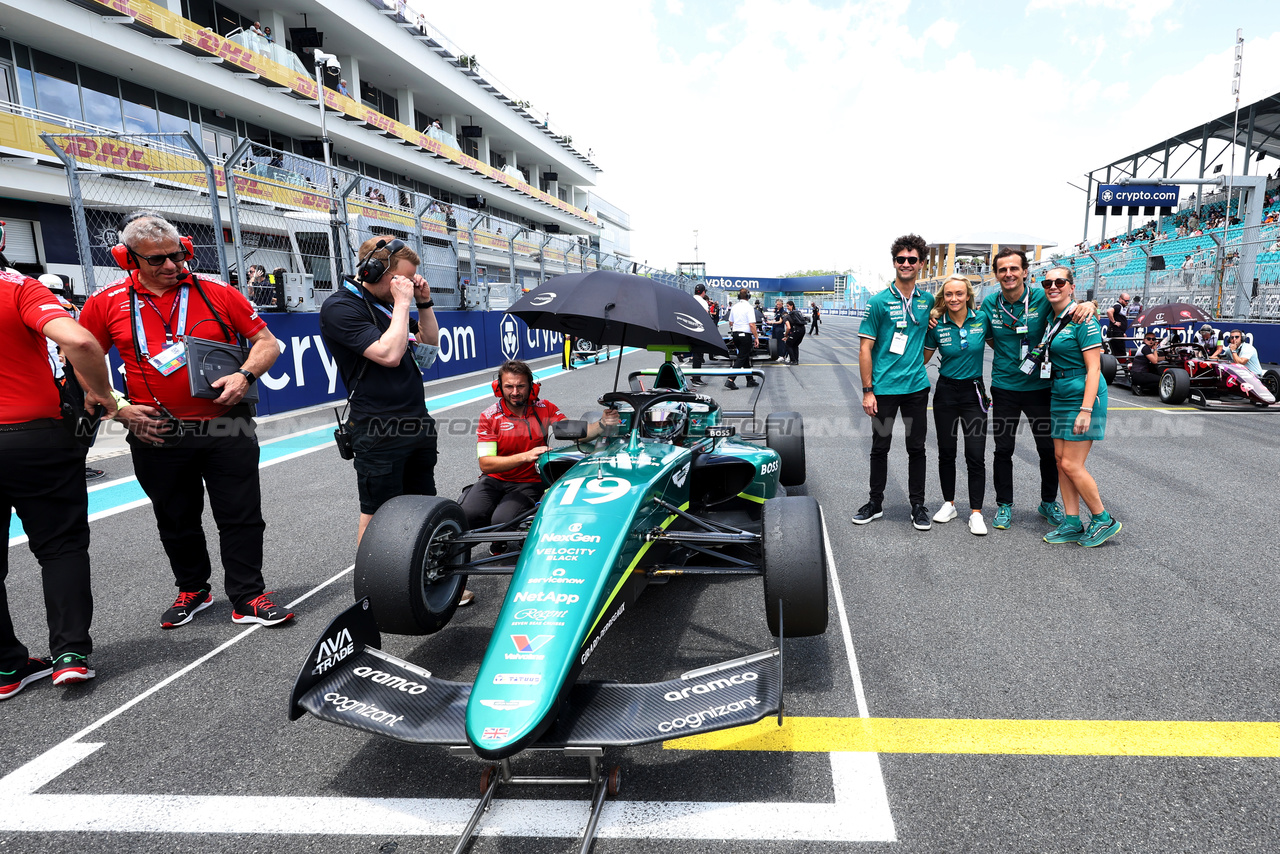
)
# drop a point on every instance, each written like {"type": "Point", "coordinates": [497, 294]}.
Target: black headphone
{"type": "Point", "coordinates": [372, 269]}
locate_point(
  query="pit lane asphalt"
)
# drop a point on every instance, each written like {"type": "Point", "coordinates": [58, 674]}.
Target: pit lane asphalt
{"type": "Point", "coordinates": [1174, 619]}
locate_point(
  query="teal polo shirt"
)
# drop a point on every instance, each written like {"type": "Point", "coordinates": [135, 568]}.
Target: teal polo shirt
{"type": "Point", "coordinates": [893, 373]}
{"type": "Point", "coordinates": [1003, 320]}
{"type": "Point", "coordinates": [960, 347]}
{"type": "Point", "coordinates": [1066, 351]}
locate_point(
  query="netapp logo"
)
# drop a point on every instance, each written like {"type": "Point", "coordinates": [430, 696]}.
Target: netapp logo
{"type": "Point", "coordinates": [713, 685]}
{"type": "Point", "coordinates": [332, 650]}
{"type": "Point", "coordinates": [557, 598]}
{"type": "Point", "coordinates": [390, 680]}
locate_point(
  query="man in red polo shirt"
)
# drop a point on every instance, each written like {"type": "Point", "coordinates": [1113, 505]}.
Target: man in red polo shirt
{"type": "Point", "coordinates": [41, 477]}
{"type": "Point", "coordinates": [510, 437]}
{"type": "Point", "coordinates": [184, 445]}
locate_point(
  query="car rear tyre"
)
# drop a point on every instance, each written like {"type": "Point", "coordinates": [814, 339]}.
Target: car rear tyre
{"type": "Point", "coordinates": [795, 566]}
{"type": "Point", "coordinates": [1271, 379]}
{"type": "Point", "coordinates": [1175, 386]}
{"type": "Point", "coordinates": [1109, 364]}
{"type": "Point", "coordinates": [784, 433]}
{"type": "Point", "coordinates": [400, 560]}
{"type": "Point", "coordinates": [773, 349]}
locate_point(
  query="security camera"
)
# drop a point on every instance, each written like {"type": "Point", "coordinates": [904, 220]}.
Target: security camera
{"type": "Point", "coordinates": [329, 61]}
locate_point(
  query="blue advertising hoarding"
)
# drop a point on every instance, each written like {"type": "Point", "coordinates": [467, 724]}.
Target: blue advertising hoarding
{"type": "Point", "coordinates": [796, 285]}
{"type": "Point", "coordinates": [1138, 195]}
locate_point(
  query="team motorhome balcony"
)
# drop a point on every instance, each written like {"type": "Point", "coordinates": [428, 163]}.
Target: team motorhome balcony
{"type": "Point", "coordinates": [971, 255]}
{"type": "Point", "coordinates": [239, 58]}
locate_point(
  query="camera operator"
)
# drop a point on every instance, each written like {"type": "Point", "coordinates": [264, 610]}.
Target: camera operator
{"type": "Point", "coordinates": [183, 445]}
{"type": "Point", "coordinates": [381, 352]}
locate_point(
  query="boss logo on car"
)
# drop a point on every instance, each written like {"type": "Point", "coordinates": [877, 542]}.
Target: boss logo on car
{"type": "Point", "coordinates": [713, 685]}
{"type": "Point", "coordinates": [770, 468]}
{"type": "Point", "coordinates": [332, 650]}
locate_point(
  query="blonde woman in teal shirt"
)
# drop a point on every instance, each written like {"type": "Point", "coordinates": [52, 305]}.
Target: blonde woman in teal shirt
{"type": "Point", "coordinates": [960, 401]}
{"type": "Point", "coordinates": [1078, 412]}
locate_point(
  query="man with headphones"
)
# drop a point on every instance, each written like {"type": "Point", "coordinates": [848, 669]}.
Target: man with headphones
{"type": "Point", "coordinates": [381, 353]}
{"type": "Point", "coordinates": [510, 437]}
{"type": "Point", "coordinates": [183, 444]}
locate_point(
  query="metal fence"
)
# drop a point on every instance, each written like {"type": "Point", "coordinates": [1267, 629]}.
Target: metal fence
{"type": "Point", "coordinates": [303, 223]}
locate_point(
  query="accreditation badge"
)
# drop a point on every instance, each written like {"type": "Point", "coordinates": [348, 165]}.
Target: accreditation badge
{"type": "Point", "coordinates": [170, 358]}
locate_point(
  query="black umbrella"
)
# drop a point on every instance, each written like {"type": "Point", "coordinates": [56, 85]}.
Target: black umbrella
{"type": "Point", "coordinates": [617, 308]}
{"type": "Point", "coordinates": [1171, 314]}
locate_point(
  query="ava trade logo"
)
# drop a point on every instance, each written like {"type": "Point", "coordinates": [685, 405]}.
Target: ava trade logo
{"type": "Point", "coordinates": [509, 336]}
{"type": "Point", "coordinates": [526, 644]}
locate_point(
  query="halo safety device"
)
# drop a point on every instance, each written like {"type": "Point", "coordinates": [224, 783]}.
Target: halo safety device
{"type": "Point", "coordinates": [127, 259]}
{"type": "Point", "coordinates": [372, 268]}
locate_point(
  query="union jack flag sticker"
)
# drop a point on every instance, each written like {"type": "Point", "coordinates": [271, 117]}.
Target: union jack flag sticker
{"type": "Point", "coordinates": [495, 733]}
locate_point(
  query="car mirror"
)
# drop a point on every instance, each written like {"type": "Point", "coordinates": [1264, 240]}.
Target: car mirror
{"type": "Point", "coordinates": [569, 430]}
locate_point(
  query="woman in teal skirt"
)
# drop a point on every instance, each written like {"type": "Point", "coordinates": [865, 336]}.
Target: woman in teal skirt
{"type": "Point", "coordinates": [1078, 412]}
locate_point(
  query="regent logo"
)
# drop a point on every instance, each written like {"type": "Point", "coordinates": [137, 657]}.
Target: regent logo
{"type": "Point", "coordinates": [332, 650]}
{"type": "Point", "coordinates": [770, 468]}
{"type": "Point", "coordinates": [679, 477]}
{"type": "Point", "coordinates": [539, 614]}
{"type": "Point", "coordinates": [362, 709]}
{"type": "Point", "coordinates": [689, 322]}
{"type": "Point", "coordinates": [557, 598]}
{"type": "Point", "coordinates": [573, 537]}
{"type": "Point", "coordinates": [390, 680]}
{"type": "Point", "coordinates": [713, 685]}
{"type": "Point", "coordinates": [524, 643]}
{"type": "Point", "coordinates": [495, 733]}
{"type": "Point", "coordinates": [506, 705]}
{"type": "Point", "coordinates": [694, 720]}
{"type": "Point", "coordinates": [517, 678]}
{"type": "Point", "coordinates": [542, 299]}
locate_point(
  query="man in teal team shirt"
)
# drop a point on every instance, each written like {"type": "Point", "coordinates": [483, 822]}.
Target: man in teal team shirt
{"type": "Point", "coordinates": [891, 361]}
{"type": "Point", "coordinates": [1018, 316]}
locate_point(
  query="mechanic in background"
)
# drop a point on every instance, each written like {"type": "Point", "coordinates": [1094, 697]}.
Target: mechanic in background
{"type": "Point", "coordinates": [40, 477]}
{"type": "Point", "coordinates": [1212, 348]}
{"type": "Point", "coordinates": [1142, 372]}
{"type": "Point", "coordinates": [510, 437]}
{"type": "Point", "coordinates": [745, 331]}
{"type": "Point", "coordinates": [1242, 352]}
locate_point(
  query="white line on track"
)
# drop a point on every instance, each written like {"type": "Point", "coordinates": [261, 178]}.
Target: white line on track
{"type": "Point", "coordinates": [845, 632]}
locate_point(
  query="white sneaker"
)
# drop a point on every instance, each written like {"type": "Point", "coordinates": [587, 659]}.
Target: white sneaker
{"type": "Point", "coordinates": [945, 513]}
{"type": "Point", "coordinates": [977, 527]}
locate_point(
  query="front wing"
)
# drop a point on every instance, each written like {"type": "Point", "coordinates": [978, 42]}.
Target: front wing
{"type": "Point", "coordinates": [348, 680]}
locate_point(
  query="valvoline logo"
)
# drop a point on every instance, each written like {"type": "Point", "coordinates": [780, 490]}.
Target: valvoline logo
{"type": "Point", "coordinates": [524, 643]}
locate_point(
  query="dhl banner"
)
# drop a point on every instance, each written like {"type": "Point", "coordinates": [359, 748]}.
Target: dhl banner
{"type": "Point", "coordinates": [151, 15]}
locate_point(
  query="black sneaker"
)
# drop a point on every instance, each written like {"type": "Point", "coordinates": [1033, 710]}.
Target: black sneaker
{"type": "Point", "coordinates": [13, 681]}
{"type": "Point", "coordinates": [93, 474]}
{"type": "Point", "coordinates": [729, 385]}
{"type": "Point", "coordinates": [752, 383]}
{"type": "Point", "coordinates": [920, 517]}
{"type": "Point", "coordinates": [70, 668]}
{"type": "Point", "coordinates": [698, 381]}
{"type": "Point", "coordinates": [186, 606]}
{"type": "Point", "coordinates": [867, 512]}
{"type": "Point", "coordinates": [261, 610]}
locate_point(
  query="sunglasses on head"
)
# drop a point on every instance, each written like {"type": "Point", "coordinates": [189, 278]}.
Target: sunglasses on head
{"type": "Point", "coordinates": [903, 259]}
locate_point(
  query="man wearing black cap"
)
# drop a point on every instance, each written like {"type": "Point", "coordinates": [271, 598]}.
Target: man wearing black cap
{"type": "Point", "coordinates": [695, 351]}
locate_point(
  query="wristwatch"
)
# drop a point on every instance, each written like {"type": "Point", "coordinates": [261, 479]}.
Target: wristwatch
{"type": "Point", "coordinates": [866, 389]}
{"type": "Point", "coordinates": [431, 303]}
{"type": "Point", "coordinates": [248, 375]}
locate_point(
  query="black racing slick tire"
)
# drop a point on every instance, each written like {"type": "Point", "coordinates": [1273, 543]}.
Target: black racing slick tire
{"type": "Point", "coordinates": [1109, 364]}
{"type": "Point", "coordinates": [402, 560]}
{"type": "Point", "coordinates": [1271, 379]}
{"type": "Point", "coordinates": [784, 433]}
{"type": "Point", "coordinates": [773, 349]}
{"type": "Point", "coordinates": [1175, 386]}
{"type": "Point", "coordinates": [795, 566]}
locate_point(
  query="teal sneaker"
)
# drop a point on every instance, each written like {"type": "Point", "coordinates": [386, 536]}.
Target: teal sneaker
{"type": "Point", "coordinates": [1099, 532]}
{"type": "Point", "coordinates": [1004, 516]}
{"type": "Point", "coordinates": [1051, 512]}
{"type": "Point", "coordinates": [1067, 532]}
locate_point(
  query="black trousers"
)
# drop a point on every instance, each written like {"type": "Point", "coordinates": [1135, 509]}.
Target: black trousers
{"type": "Point", "coordinates": [1117, 347]}
{"type": "Point", "coordinates": [42, 478]}
{"type": "Point", "coordinates": [742, 343]}
{"type": "Point", "coordinates": [1007, 409]}
{"type": "Point", "coordinates": [1144, 380]}
{"type": "Point", "coordinates": [176, 477]}
{"type": "Point", "coordinates": [793, 344]}
{"type": "Point", "coordinates": [814, 329]}
{"type": "Point", "coordinates": [957, 411]}
{"type": "Point", "coordinates": [491, 501]}
{"type": "Point", "coordinates": [912, 407]}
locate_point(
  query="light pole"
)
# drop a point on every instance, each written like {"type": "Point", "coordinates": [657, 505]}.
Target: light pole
{"type": "Point", "coordinates": [695, 245]}
{"type": "Point", "coordinates": [328, 62]}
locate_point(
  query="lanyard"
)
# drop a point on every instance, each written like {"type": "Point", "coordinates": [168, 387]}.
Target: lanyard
{"type": "Point", "coordinates": [1026, 306]}
{"type": "Point", "coordinates": [906, 304]}
{"type": "Point", "coordinates": [379, 306]}
{"type": "Point", "coordinates": [183, 295]}
{"type": "Point", "coordinates": [1059, 323]}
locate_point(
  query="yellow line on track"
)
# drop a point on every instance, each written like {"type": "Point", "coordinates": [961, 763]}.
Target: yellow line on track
{"type": "Point", "coordinates": [1034, 738]}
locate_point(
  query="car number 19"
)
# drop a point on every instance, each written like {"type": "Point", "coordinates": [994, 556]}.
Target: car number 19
{"type": "Point", "coordinates": [606, 489]}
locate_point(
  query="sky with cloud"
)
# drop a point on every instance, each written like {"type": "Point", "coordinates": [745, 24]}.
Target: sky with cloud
{"type": "Point", "coordinates": [799, 134]}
